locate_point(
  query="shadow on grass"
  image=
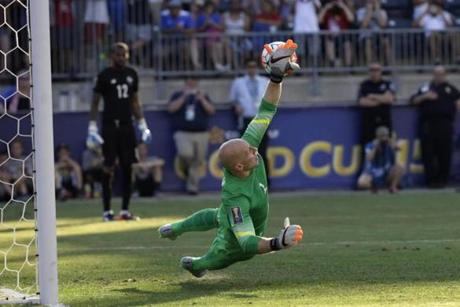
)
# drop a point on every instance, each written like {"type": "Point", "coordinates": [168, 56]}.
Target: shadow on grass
{"type": "Point", "coordinates": [188, 290]}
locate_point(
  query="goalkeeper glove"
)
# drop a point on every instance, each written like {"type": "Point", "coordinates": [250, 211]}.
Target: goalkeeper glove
{"type": "Point", "coordinates": [280, 62]}
{"type": "Point", "coordinates": [289, 236]}
{"type": "Point", "coordinates": [94, 139]}
{"type": "Point", "coordinates": [145, 131]}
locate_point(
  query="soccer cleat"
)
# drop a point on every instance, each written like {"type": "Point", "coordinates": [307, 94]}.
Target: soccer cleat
{"type": "Point", "coordinates": [186, 263]}
{"type": "Point", "coordinates": [166, 231]}
{"type": "Point", "coordinates": [107, 216]}
{"type": "Point", "coordinates": [125, 215]}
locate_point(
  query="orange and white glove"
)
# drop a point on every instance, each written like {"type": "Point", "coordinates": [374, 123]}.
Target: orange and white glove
{"type": "Point", "coordinates": [289, 236]}
{"type": "Point", "coordinates": [281, 61]}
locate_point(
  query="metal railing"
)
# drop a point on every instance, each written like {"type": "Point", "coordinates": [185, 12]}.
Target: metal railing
{"type": "Point", "coordinates": [82, 32]}
{"type": "Point", "coordinates": [80, 53]}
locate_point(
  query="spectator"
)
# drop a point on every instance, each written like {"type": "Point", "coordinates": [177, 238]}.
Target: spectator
{"type": "Point", "coordinates": [236, 22]}
{"type": "Point", "coordinates": [210, 22]}
{"type": "Point", "coordinates": [92, 165]}
{"type": "Point", "coordinates": [381, 167]}
{"type": "Point", "coordinates": [68, 174]}
{"type": "Point", "coordinates": [63, 32]}
{"type": "Point", "coordinates": [246, 94]}
{"type": "Point", "coordinates": [96, 24]}
{"type": "Point", "coordinates": [191, 109]}
{"type": "Point", "coordinates": [5, 179]}
{"type": "Point", "coordinates": [268, 20]}
{"type": "Point", "coordinates": [18, 167]}
{"type": "Point", "coordinates": [155, 11]}
{"type": "Point", "coordinates": [336, 17]}
{"type": "Point", "coordinates": [420, 7]}
{"type": "Point", "coordinates": [177, 23]}
{"type": "Point", "coordinates": [375, 97]}
{"type": "Point", "coordinates": [117, 9]}
{"type": "Point", "coordinates": [372, 18]}
{"type": "Point", "coordinates": [17, 99]}
{"type": "Point", "coordinates": [436, 103]}
{"type": "Point", "coordinates": [147, 172]}
{"type": "Point", "coordinates": [435, 20]}
{"type": "Point", "coordinates": [306, 23]}
{"type": "Point", "coordinates": [139, 31]}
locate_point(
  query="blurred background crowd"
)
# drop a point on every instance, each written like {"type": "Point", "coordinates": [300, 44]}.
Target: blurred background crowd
{"type": "Point", "coordinates": [219, 42]}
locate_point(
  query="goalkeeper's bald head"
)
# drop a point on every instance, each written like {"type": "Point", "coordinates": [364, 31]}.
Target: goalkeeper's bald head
{"type": "Point", "coordinates": [238, 157]}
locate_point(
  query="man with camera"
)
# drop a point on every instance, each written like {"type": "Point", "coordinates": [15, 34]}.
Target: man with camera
{"type": "Point", "coordinates": [380, 168]}
{"type": "Point", "coordinates": [190, 109]}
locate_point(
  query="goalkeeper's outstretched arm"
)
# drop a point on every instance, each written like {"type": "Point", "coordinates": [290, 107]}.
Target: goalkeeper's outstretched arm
{"type": "Point", "coordinates": [243, 228]}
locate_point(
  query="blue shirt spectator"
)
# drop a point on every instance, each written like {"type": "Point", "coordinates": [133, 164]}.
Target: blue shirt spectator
{"type": "Point", "coordinates": [381, 168]}
{"type": "Point", "coordinates": [175, 20]}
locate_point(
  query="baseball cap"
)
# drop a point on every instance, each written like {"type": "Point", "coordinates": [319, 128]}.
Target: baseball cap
{"type": "Point", "coordinates": [175, 3]}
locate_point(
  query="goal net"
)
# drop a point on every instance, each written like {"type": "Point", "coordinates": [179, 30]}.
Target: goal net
{"type": "Point", "coordinates": [26, 271]}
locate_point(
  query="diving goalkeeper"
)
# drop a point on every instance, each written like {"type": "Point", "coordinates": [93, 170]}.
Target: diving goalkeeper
{"type": "Point", "coordinates": [242, 216]}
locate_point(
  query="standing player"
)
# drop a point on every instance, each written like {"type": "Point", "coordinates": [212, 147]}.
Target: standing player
{"type": "Point", "coordinates": [118, 86]}
{"type": "Point", "coordinates": [242, 216]}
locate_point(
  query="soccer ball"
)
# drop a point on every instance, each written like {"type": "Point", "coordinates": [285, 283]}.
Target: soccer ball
{"type": "Point", "coordinates": [265, 56]}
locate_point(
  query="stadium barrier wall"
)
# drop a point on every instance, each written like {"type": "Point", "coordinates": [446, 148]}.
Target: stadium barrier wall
{"type": "Point", "coordinates": [310, 148]}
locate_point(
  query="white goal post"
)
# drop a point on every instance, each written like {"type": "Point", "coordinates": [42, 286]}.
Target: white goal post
{"type": "Point", "coordinates": [28, 242]}
{"type": "Point", "coordinates": [44, 151]}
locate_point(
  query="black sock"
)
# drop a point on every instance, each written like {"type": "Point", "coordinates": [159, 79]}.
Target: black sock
{"type": "Point", "coordinates": [126, 183]}
{"type": "Point", "coordinates": [107, 178]}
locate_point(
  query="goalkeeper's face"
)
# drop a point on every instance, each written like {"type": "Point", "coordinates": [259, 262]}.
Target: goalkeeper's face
{"type": "Point", "coordinates": [238, 156]}
{"type": "Point", "coordinates": [249, 158]}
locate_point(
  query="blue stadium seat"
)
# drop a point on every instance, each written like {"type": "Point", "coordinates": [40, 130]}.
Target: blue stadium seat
{"type": "Point", "coordinates": [400, 23]}
{"type": "Point", "coordinates": [397, 4]}
{"type": "Point", "coordinates": [451, 4]}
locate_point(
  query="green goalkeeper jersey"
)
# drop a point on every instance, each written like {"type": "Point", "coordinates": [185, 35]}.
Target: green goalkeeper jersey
{"type": "Point", "coordinates": [244, 209]}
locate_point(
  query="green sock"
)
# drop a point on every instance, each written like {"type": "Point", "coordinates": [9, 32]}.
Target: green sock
{"type": "Point", "coordinates": [202, 220]}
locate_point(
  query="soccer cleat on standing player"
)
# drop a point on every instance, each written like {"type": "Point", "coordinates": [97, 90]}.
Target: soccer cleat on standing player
{"type": "Point", "coordinates": [125, 215]}
{"type": "Point", "coordinates": [107, 216]}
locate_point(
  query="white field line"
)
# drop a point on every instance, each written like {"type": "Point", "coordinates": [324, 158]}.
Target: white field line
{"type": "Point", "coordinates": [337, 243]}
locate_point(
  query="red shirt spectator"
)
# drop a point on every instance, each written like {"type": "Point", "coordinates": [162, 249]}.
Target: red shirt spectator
{"type": "Point", "coordinates": [336, 16]}
{"type": "Point", "coordinates": [63, 13]}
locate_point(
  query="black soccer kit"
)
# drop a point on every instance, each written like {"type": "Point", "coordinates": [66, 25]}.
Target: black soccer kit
{"type": "Point", "coordinates": [373, 117]}
{"type": "Point", "coordinates": [436, 118]}
{"type": "Point", "coordinates": [118, 87]}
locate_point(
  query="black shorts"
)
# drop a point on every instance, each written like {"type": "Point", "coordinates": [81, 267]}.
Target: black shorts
{"type": "Point", "coordinates": [119, 142]}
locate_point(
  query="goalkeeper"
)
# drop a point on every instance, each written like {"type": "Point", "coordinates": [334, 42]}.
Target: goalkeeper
{"type": "Point", "coordinates": [242, 216]}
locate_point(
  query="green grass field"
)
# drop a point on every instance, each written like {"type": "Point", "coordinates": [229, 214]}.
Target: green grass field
{"type": "Point", "coordinates": [358, 249]}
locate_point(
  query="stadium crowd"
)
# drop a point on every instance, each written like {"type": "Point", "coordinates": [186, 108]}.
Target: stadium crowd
{"type": "Point", "coordinates": [214, 30]}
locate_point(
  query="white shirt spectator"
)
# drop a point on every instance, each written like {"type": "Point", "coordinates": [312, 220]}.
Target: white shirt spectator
{"type": "Point", "coordinates": [97, 12]}
{"type": "Point", "coordinates": [419, 10]}
{"type": "Point", "coordinates": [306, 17]}
{"type": "Point", "coordinates": [373, 24]}
{"type": "Point", "coordinates": [242, 93]}
{"type": "Point", "coordinates": [438, 22]}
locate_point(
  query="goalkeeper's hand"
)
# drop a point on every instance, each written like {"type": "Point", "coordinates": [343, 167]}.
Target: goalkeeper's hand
{"type": "Point", "coordinates": [145, 131]}
{"type": "Point", "coordinates": [289, 236]}
{"type": "Point", "coordinates": [94, 139]}
{"type": "Point", "coordinates": [280, 61]}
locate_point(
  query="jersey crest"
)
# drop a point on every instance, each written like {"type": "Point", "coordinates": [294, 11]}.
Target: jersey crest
{"type": "Point", "coordinates": [237, 216]}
